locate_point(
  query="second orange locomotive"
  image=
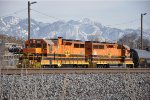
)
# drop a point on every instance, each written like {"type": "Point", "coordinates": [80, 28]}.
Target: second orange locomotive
{"type": "Point", "coordinates": [73, 53]}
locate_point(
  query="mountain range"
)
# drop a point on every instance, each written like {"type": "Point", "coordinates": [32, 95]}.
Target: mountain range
{"type": "Point", "coordinates": [84, 30]}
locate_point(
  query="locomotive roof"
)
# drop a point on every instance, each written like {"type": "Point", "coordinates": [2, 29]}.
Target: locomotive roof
{"type": "Point", "coordinates": [101, 42]}
{"type": "Point", "coordinates": [143, 53]}
{"type": "Point", "coordinates": [68, 40]}
{"type": "Point", "coordinates": [71, 40]}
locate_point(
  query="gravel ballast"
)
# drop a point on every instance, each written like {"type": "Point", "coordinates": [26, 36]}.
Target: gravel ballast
{"type": "Point", "coordinates": [102, 86]}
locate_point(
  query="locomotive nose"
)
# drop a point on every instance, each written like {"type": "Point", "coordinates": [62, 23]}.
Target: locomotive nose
{"type": "Point", "coordinates": [32, 50]}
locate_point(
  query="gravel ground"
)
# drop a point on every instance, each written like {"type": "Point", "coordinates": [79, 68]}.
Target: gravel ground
{"type": "Point", "coordinates": [103, 86]}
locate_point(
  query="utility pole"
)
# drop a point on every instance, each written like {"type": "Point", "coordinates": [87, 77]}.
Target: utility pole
{"type": "Point", "coordinates": [142, 30]}
{"type": "Point", "coordinates": [29, 4]}
{"type": "Point", "coordinates": [28, 20]}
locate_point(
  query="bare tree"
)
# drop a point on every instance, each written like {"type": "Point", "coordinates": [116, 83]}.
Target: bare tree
{"type": "Point", "coordinates": [133, 41]}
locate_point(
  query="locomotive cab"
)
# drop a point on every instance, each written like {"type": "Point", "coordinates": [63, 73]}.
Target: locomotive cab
{"type": "Point", "coordinates": [33, 52]}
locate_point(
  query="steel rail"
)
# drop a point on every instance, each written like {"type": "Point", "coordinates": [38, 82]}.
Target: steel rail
{"type": "Point", "coordinates": [72, 70]}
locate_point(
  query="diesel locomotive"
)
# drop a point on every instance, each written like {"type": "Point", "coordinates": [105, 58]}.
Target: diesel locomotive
{"type": "Point", "coordinates": [56, 53]}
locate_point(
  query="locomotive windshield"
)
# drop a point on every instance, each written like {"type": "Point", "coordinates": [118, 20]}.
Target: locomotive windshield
{"type": "Point", "coordinates": [38, 44]}
{"type": "Point", "coordinates": [34, 44]}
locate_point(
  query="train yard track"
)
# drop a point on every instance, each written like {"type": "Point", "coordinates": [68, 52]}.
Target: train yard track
{"type": "Point", "coordinates": [73, 70]}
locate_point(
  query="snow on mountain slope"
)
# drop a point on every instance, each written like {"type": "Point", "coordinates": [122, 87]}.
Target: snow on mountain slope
{"type": "Point", "coordinates": [84, 29]}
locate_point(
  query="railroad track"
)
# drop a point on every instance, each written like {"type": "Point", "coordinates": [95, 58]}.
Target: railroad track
{"type": "Point", "coordinates": [73, 70]}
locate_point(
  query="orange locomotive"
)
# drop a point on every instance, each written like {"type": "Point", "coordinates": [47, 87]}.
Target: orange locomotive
{"type": "Point", "coordinates": [61, 52]}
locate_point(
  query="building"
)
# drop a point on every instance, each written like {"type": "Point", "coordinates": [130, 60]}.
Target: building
{"type": "Point", "coordinates": [7, 59]}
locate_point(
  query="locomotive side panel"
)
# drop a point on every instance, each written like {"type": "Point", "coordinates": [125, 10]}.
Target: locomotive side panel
{"type": "Point", "coordinates": [74, 52]}
{"type": "Point", "coordinates": [106, 49]}
{"type": "Point", "coordinates": [67, 53]}
{"type": "Point", "coordinates": [108, 54]}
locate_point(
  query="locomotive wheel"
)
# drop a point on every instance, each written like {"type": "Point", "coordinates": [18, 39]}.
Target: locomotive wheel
{"type": "Point", "coordinates": [129, 66]}
{"type": "Point", "coordinates": [53, 66]}
{"type": "Point", "coordinates": [105, 66]}
{"type": "Point", "coordinates": [75, 66]}
{"type": "Point", "coordinates": [45, 66]}
{"type": "Point", "coordinates": [42, 66]}
{"type": "Point", "coordinates": [99, 66]}
{"type": "Point", "coordinates": [84, 66]}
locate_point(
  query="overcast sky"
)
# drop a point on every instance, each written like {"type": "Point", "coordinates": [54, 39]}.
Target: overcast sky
{"type": "Point", "coordinates": [114, 13]}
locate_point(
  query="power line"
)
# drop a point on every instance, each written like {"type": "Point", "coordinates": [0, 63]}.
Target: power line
{"type": "Point", "coordinates": [16, 12]}
{"type": "Point", "coordinates": [46, 15]}
{"type": "Point", "coordinates": [51, 16]}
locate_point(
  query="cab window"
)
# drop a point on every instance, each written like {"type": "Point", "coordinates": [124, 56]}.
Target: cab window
{"type": "Point", "coordinates": [44, 46]}
{"type": "Point", "coordinates": [38, 43]}
{"type": "Point", "coordinates": [32, 45]}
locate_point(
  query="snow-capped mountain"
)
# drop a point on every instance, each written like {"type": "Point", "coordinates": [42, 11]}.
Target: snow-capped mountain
{"type": "Point", "coordinates": [80, 30]}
